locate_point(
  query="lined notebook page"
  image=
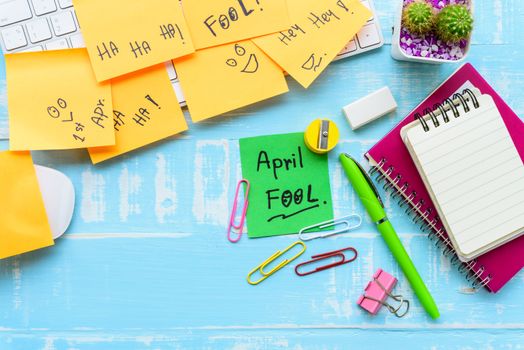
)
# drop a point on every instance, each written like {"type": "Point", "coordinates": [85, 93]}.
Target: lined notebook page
{"type": "Point", "coordinates": [475, 175]}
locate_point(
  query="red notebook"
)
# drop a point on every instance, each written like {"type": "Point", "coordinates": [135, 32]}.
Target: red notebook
{"type": "Point", "coordinates": [392, 162]}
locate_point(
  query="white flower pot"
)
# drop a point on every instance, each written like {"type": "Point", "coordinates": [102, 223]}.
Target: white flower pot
{"type": "Point", "coordinates": [399, 54]}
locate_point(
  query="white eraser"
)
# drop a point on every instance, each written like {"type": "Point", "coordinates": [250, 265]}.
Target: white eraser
{"type": "Point", "coordinates": [370, 107]}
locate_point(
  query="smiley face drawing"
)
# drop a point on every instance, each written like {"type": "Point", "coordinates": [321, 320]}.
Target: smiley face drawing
{"type": "Point", "coordinates": [251, 65]}
{"type": "Point", "coordinates": [312, 63]}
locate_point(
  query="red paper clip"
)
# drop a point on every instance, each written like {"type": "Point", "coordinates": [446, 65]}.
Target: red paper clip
{"type": "Point", "coordinates": [240, 225]}
{"type": "Point", "coordinates": [334, 254]}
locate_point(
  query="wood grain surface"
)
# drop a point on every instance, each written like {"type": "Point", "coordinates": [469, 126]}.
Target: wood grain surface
{"type": "Point", "coordinates": [146, 264]}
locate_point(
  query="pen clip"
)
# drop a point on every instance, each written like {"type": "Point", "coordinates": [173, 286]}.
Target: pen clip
{"type": "Point", "coordinates": [368, 179]}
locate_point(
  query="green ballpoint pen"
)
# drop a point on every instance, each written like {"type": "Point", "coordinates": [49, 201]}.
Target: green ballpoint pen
{"type": "Point", "coordinates": [373, 204]}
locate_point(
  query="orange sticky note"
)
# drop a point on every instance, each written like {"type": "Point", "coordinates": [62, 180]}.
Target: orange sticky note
{"type": "Point", "coordinates": [145, 110]}
{"type": "Point", "coordinates": [124, 36]}
{"type": "Point", "coordinates": [54, 102]}
{"type": "Point", "coordinates": [23, 219]}
{"type": "Point", "coordinates": [223, 78]}
{"type": "Point", "coordinates": [319, 31]}
{"type": "Point", "coordinates": [216, 22]}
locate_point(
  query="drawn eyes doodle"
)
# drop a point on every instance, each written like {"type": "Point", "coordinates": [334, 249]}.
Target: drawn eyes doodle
{"type": "Point", "coordinates": [54, 112]}
{"type": "Point", "coordinates": [312, 63]}
{"type": "Point", "coordinates": [251, 65]}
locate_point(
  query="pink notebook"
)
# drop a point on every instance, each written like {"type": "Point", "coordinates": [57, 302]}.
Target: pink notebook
{"type": "Point", "coordinates": [393, 162]}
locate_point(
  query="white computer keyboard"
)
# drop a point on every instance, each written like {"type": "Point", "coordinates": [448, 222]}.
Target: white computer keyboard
{"type": "Point", "coordinates": [34, 25]}
{"type": "Point", "coordinates": [368, 38]}
{"type": "Point", "coordinates": [38, 25]}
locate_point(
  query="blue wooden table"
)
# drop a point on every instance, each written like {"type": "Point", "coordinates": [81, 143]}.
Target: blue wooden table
{"type": "Point", "coordinates": [146, 264]}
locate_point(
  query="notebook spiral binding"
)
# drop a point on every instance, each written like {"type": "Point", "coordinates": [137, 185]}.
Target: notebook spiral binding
{"type": "Point", "coordinates": [401, 192]}
{"type": "Point", "coordinates": [449, 104]}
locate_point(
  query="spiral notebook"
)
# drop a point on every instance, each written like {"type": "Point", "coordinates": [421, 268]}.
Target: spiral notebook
{"type": "Point", "coordinates": [472, 171]}
{"type": "Point", "coordinates": [391, 161]}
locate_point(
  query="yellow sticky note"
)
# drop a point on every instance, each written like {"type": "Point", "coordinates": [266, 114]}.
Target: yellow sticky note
{"type": "Point", "coordinates": [54, 102]}
{"type": "Point", "coordinates": [319, 31]}
{"type": "Point", "coordinates": [23, 219]}
{"type": "Point", "coordinates": [215, 22]}
{"type": "Point", "coordinates": [145, 110]}
{"type": "Point", "coordinates": [124, 36]}
{"type": "Point", "coordinates": [223, 78]}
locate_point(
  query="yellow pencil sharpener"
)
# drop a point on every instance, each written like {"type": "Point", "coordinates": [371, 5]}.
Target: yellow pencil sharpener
{"type": "Point", "coordinates": [321, 136]}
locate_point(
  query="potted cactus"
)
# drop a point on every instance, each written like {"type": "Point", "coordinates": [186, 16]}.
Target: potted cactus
{"type": "Point", "coordinates": [433, 31]}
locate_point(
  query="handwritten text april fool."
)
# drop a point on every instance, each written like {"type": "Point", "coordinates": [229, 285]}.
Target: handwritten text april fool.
{"type": "Point", "coordinates": [285, 198]}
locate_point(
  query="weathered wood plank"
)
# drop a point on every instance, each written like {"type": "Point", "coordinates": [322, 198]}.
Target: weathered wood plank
{"type": "Point", "coordinates": [146, 264]}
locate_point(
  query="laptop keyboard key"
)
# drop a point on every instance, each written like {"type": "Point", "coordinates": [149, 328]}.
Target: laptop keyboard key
{"type": "Point", "coordinates": [14, 37]}
{"type": "Point", "coordinates": [63, 23]}
{"type": "Point", "coordinates": [12, 11]}
{"type": "Point", "coordinates": [65, 3]}
{"type": "Point", "coordinates": [350, 47]}
{"type": "Point", "coordinates": [77, 40]}
{"type": "Point", "coordinates": [44, 6]}
{"type": "Point", "coordinates": [171, 72]}
{"type": "Point", "coordinates": [368, 36]}
{"type": "Point", "coordinates": [57, 45]}
{"type": "Point", "coordinates": [32, 49]}
{"type": "Point", "coordinates": [38, 30]}
{"type": "Point", "coordinates": [366, 3]}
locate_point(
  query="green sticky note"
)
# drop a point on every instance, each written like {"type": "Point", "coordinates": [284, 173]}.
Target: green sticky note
{"type": "Point", "coordinates": [289, 185]}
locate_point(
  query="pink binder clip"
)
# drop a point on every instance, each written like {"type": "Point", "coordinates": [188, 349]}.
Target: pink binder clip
{"type": "Point", "coordinates": [240, 225]}
{"type": "Point", "coordinates": [376, 293]}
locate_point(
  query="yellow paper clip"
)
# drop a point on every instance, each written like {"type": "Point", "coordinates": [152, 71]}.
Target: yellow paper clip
{"type": "Point", "coordinates": [278, 253]}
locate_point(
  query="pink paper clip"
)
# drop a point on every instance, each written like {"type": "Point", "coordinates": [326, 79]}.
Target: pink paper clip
{"type": "Point", "coordinates": [240, 225]}
{"type": "Point", "coordinates": [376, 293]}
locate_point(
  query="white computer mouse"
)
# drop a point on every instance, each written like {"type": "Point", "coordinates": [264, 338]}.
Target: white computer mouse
{"type": "Point", "coordinates": [59, 198]}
